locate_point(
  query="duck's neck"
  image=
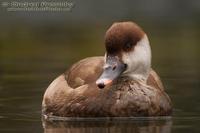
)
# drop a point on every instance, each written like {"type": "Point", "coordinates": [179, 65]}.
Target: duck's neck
{"type": "Point", "coordinates": [139, 77]}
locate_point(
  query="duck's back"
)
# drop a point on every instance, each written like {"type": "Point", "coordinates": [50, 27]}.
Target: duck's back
{"type": "Point", "coordinates": [75, 93]}
{"type": "Point", "coordinates": [85, 71]}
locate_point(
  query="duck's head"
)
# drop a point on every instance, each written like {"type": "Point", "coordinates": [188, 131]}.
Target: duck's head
{"type": "Point", "coordinates": [128, 53]}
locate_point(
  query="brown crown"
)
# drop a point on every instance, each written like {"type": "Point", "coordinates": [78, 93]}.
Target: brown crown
{"type": "Point", "coordinates": [122, 36]}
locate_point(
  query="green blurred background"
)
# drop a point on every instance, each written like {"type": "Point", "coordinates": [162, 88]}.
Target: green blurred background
{"type": "Point", "coordinates": [35, 47]}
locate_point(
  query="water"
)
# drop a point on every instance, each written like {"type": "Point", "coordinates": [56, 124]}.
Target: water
{"type": "Point", "coordinates": [32, 59]}
{"type": "Point", "coordinates": [116, 125]}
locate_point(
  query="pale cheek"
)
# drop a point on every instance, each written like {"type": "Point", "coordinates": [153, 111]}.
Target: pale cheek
{"type": "Point", "coordinates": [127, 59]}
{"type": "Point", "coordinates": [105, 56]}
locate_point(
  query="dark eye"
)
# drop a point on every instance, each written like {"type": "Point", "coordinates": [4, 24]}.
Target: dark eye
{"type": "Point", "coordinates": [127, 46]}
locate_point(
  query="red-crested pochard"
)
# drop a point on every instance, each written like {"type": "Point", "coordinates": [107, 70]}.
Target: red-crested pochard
{"type": "Point", "coordinates": [120, 84]}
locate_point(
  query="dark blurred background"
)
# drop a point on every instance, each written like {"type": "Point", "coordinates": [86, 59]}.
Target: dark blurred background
{"type": "Point", "coordinates": [37, 46]}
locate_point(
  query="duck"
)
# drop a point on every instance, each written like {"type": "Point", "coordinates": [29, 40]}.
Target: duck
{"type": "Point", "coordinates": [120, 83]}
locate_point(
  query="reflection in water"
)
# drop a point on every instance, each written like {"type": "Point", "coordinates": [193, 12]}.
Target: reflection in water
{"type": "Point", "coordinates": [110, 126]}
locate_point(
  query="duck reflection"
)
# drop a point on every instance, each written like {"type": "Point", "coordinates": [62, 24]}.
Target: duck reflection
{"type": "Point", "coordinates": [109, 126]}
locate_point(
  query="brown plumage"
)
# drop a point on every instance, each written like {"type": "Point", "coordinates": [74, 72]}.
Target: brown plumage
{"type": "Point", "coordinates": [75, 94]}
{"type": "Point", "coordinates": [81, 97]}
